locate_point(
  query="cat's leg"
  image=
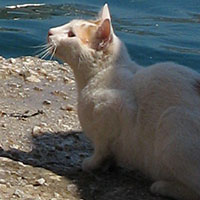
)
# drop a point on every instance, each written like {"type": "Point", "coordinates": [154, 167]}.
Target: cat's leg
{"type": "Point", "coordinates": [173, 189]}
{"type": "Point", "coordinates": [101, 158]}
{"type": "Point", "coordinates": [177, 150]}
{"type": "Point", "coordinates": [115, 115]}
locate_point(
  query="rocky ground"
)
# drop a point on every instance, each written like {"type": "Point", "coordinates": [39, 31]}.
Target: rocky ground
{"type": "Point", "coordinates": [41, 143]}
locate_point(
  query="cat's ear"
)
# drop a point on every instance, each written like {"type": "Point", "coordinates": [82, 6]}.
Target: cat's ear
{"type": "Point", "coordinates": [103, 35]}
{"type": "Point", "coordinates": [105, 13]}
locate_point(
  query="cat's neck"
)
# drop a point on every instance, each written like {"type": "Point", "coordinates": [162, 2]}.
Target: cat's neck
{"type": "Point", "coordinates": [118, 57]}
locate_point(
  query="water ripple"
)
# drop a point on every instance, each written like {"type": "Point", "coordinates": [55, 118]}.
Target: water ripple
{"type": "Point", "coordinates": [42, 11]}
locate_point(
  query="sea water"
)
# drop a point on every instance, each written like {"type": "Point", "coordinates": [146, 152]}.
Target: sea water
{"type": "Point", "coordinates": [154, 31]}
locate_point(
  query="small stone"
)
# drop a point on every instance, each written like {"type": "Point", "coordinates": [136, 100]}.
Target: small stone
{"type": "Point", "coordinates": [36, 131]}
{"type": "Point", "coordinates": [56, 195]}
{"type": "Point", "coordinates": [25, 73]}
{"type": "Point", "coordinates": [14, 146]}
{"type": "Point", "coordinates": [72, 188]}
{"type": "Point", "coordinates": [60, 122]}
{"type": "Point", "coordinates": [39, 182]}
{"type": "Point", "coordinates": [18, 193]}
{"type": "Point", "coordinates": [14, 85]}
{"type": "Point", "coordinates": [57, 178]}
{"type": "Point", "coordinates": [21, 164]}
{"type": "Point", "coordinates": [51, 77]}
{"type": "Point", "coordinates": [65, 79]}
{"type": "Point", "coordinates": [67, 108]}
{"type": "Point", "coordinates": [3, 125]}
{"type": "Point", "coordinates": [33, 79]}
{"type": "Point", "coordinates": [42, 71]}
{"type": "Point", "coordinates": [2, 181]}
{"type": "Point", "coordinates": [46, 102]}
{"type": "Point", "coordinates": [3, 188]}
{"type": "Point", "coordinates": [12, 60]}
{"type": "Point", "coordinates": [38, 88]}
{"type": "Point", "coordinates": [2, 58]}
{"type": "Point", "coordinates": [2, 113]}
{"type": "Point", "coordinates": [43, 124]}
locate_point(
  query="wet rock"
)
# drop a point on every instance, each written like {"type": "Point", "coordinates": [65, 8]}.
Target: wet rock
{"type": "Point", "coordinates": [45, 150]}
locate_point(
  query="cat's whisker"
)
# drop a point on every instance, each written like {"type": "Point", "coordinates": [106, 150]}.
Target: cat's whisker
{"type": "Point", "coordinates": [45, 55]}
{"type": "Point", "coordinates": [53, 53]}
{"type": "Point", "coordinates": [40, 46]}
{"type": "Point", "coordinates": [40, 51]}
{"type": "Point", "coordinates": [45, 51]}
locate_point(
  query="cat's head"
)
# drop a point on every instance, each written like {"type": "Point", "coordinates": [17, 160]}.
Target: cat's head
{"type": "Point", "coordinates": [82, 39]}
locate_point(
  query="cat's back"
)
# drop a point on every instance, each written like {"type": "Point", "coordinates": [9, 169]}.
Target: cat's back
{"type": "Point", "coordinates": [163, 85]}
{"type": "Point", "coordinates": [167, 80]}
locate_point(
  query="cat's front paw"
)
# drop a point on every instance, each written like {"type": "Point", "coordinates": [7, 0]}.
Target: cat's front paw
{"type": "Point", "coordinates": [159, 188]}
{"type": "Point", "coordinates": [90, 164]}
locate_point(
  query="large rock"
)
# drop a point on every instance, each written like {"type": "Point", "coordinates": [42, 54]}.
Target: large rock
{"type": "Point", "coordinates": [41, 143]}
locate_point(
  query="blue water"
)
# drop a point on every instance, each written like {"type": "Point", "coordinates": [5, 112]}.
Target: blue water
{"type": "Point", "coordinates": [161, 30]}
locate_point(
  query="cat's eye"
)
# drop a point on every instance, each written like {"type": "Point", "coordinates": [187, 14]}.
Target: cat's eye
{"type": "Point", "coordinates": [71, 34]}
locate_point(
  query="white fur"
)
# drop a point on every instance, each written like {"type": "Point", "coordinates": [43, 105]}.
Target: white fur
{"type": "Point", "coordinates": [146, 118]}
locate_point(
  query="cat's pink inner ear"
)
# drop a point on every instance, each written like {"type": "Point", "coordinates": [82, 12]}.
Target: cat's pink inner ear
{"type": "Point", "coordinates": [104, 31]}
{"type": "Point", "coordinates": [103, 36]}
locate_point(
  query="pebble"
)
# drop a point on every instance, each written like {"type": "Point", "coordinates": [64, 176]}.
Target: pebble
{"type": "Point", "coordinates": [51, 77]}
{"type": "Point", "coordinates": [39, 182]}
{"type": "Point", "coordinates": [67, 108]}
{"type": "Point", "coordinates": [46, 102]}
{"type": "Point", "coordinates": [2, 58]}
{"type": "Point", "coordinates": [21, 164]}
{"type": "Point", "coordinates": [72, 188]}
{"type": "Point", "coordinates": [2, 181]}
{"type": "Point", "coordinates": [12, 60]}
{"type": "Point", "coordinates": [36, 131]}
{"type": "Point", "coordinates": [65, 79]}
{"type": "Point", "coordinates": [18, 193]}
{"type": "Point", "coordinates": [38, 88]}
{"type": "Point", "coordinates": [42, 71]}
{"type": "Point", "coordinates": [3, 188]}
{"type": "Point", "coordinates": [43, 124]}
{"type": "Point", "coordinates": [3, 125]}
{"type": "Point", "coordinates": [57, 178]}
{"type": "Point", "coordinates": [33, 79]}
{"type": "Point", "coordinates": [56, 195]}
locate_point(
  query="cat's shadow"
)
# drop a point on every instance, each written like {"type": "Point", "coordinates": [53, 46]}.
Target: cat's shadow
{"type": "Point", "coordinates": [63, 153]}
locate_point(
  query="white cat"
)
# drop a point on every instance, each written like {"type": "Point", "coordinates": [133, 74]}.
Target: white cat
{"type": "Point", "coordinates": [145, 118]}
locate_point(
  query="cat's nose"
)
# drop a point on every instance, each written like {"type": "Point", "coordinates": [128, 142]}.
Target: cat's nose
{"type": "Point", "coordinates": [50, 33]}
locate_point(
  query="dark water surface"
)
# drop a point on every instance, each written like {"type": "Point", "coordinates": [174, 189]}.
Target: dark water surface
{"type": "Point", "coordinates": [153, 31]}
